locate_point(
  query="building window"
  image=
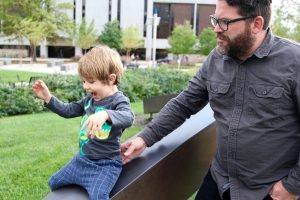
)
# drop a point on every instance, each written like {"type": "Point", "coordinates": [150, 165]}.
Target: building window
{"type": "Point", "coordinates": [83, 9]}
{"type": "Point", "coordinates": [171, 14]}
{"type": "Point", "coordinates": [109, 10]}
{"type": "Point", "coordinates": [119, 11]}
{"type": "Point", "coordinates": [145, 16]}
{"type": "Point", "coordinates": [74, 10]}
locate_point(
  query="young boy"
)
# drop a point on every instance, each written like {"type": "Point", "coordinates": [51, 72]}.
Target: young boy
{"type": "Point", "coordinates": [106, 113]}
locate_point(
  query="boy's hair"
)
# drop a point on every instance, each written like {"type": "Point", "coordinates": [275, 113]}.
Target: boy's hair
{"type": "Point", "coordinates": [99, 63]}
{"type": "Point", "coordinates": [254, 8]}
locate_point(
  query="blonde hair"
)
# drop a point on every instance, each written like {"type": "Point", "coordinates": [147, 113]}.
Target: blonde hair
{"type": "Point", "coordinates": [99, 63]}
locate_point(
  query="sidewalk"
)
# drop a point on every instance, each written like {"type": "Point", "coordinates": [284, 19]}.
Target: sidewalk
{"type": "Point", "coordinates": [69, 68]}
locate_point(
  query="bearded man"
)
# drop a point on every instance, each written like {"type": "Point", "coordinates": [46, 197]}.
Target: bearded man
{"type": "Point", "coordinates": [252, 82]}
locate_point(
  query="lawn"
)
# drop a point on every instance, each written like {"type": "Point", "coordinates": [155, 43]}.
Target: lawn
{"type": "Point", "coordinates": [17, 76]}
{"type": "Point", "coordinates": [32, 148]}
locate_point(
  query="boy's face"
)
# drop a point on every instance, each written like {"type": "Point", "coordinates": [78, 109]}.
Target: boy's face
{"type": "Point", "coordinates": [96, 88]}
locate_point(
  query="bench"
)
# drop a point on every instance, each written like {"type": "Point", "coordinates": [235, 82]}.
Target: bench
{"type": "Point", "coordinates": [53, 63]}
{"type": "Point", "coordinates": [154, 104]}
{"type": "Point", "coordinates": [173, 168]}
{"type": "Point", "coordinates": [132, 66]}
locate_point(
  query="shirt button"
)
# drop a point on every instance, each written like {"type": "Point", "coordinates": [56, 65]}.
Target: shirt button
{"type": "Point", "coordinates": [264, 92]}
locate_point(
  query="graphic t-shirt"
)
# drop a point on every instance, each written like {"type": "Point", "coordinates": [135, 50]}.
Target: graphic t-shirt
{"type": "Point", "coordinates": [106, 145]}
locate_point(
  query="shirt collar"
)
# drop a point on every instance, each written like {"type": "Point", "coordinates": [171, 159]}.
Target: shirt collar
{"type": "Point", "coordinates": [265, 47]}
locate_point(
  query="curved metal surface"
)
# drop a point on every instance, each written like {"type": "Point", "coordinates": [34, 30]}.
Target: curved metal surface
{"type": "Point", "coordinates": [173, 168]}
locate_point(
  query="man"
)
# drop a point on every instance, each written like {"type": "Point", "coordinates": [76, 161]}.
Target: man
{"type": "Point", "coordinates": [252, 82]}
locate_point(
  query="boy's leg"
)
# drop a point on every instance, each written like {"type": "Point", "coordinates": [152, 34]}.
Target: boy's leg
{"type": "Point", "coordinates": [99, 177]}
{"type": "Point", "coordinates": [64, 176]}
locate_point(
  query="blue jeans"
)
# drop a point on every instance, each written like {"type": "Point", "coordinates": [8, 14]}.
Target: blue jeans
{"type": "Point", "coordinates": [96, 176]}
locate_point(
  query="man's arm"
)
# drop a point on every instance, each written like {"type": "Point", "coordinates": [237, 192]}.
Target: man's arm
{"type": "Point", "coordinates": [172, 115]}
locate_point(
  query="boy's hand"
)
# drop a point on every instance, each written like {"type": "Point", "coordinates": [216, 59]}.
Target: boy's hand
{"type": "Point", "coordinates": [41, 91]}
{"type": "Point", "coordinates": [94, 123]}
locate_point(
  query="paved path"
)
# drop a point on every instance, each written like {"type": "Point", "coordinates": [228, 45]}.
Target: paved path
{"type": "Point", "coordinates": [71, 68]}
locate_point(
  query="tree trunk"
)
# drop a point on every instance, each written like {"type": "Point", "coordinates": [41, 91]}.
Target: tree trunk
{"type": "Point", "coordinates": [20, 51]}
{"type": "Point", "coordinates": [33, 53]}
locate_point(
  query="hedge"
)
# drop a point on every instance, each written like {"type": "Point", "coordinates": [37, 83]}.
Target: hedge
{"type": "Point", "coordinates": [136, 84]}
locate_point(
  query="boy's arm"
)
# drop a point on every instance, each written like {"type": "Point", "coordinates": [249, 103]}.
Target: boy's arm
{"type": "Point", "coordinates": [41, 91]}
{"type": "Point", "coordinates": [67, 110]}
{"type": "Point", "coordinates": [122, 116]}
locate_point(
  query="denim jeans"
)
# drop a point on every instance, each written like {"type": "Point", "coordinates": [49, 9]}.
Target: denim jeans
{"type": "Point", "coordinates": [97, 177]}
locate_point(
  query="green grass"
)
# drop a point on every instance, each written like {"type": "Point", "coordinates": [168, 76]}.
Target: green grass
{"type": "Point", "coordinates": [12, 76]}
{"type": "Point", "coordinates": [32, 148]}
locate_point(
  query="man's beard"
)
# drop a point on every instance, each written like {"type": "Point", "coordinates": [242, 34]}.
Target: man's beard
{"type": "Point", "coordinates": [240, 46]}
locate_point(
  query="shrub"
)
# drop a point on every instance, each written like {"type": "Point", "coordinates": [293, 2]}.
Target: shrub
{"type": "Point", "coordinates": [207, 40]}
{"type": "Point", "coordinates": [136, 85]}
{"type": "Point", "coordinates": [18, 100]}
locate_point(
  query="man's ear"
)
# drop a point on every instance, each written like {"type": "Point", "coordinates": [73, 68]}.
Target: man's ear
{"type": "Point", "coordinates": [112, 79]}
{"type": "Point", "coordinates": [257, 24]}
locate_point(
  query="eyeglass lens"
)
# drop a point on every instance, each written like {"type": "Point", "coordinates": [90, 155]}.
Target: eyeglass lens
{"type": "Point", "coordinates": [215, 22]}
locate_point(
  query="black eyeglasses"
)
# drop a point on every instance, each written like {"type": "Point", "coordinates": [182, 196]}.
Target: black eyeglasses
{"type": "Point", "coordinates": [223, 23]}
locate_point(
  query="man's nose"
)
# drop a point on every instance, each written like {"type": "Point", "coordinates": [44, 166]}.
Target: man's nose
{"type": "Point", "coordinates": [217, 29]}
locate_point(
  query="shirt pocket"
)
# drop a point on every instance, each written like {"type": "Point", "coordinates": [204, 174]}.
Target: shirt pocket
{"type": "Point", "coordinates": [267, 96]}
{"type": "Point", "coordinates": [218, 89]}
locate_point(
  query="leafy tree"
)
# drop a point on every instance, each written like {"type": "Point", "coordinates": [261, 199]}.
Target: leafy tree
{"type": "Point", "coordinates": [112, 35]}
{"type": "Point", "coordinates": [182, 39]}
{"type": "Point", "coordinates": [85, 35]}
{"type": "Point", "coordinates": [34, 32]}
{"type": "Point", "coordinates": [207, 40]}
{"type": "Point", "coordinates": [131, 39]}
{"type": "Point", "coordinates": [47, 14]}
{"type": "Point", "coordinates": [286, 21]}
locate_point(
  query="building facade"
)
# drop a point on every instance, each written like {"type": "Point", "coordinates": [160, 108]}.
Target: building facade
{"type": "Point", "coordinates": [139, 13]}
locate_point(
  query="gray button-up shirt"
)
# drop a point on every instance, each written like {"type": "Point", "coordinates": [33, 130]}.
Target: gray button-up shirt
{"type": "Point", "coordinates": [256, 105]}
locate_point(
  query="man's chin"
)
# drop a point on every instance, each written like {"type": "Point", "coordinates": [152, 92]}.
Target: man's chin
{"type": "Point", "coordinates": [221, 50]}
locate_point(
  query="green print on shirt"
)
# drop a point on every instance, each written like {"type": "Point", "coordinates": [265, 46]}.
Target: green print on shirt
{"type": "Point", "coordinates": [83, 139]}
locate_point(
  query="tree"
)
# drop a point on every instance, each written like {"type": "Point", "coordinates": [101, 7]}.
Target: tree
{"type": "Point", "coordinates": [111, 35]}
{"type": "Point", "coordinates": [286, 21]}
{"type": "Point", "coordinates": [207, 41]}
{"type": "Point", "coordinates": [85, 35]}
{"type": "Point", "coordinates": [131, 39]}
{"type": "Point", "coordinates": [182, 39]}
{"type": "Point", "coordinates": [35, 32]}
{"type": "Point", "coordinates": [18, 15]}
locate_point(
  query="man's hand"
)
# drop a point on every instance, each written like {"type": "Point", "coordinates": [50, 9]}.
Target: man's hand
{"type": "Point", "coordinates": [279, 192]}
{"type": "Point", "coordinates": [41, 91]}
{"type": "Point", "coordinates": [132, 149]}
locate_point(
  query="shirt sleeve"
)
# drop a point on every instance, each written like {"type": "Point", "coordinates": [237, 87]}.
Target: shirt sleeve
{"type": "Point", "coordinates": [292, 181]}
{"type": "Point", "coordinates": [178, 109]}
{"type": "Point", "coordinates": [66, 110]}
{"type": "Point", "coordinates": [121, 116]}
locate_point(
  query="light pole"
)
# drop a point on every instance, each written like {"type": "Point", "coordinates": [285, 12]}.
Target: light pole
{"type": "Point", "coordinates": [156, 21]}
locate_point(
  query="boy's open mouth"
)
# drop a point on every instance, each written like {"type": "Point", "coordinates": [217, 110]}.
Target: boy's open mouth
{"type": "Point", "coordinates": [94, 96]}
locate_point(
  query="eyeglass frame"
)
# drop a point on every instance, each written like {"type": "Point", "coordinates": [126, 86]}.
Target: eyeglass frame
{"type": "Point", "coordinates": [226, 21]}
